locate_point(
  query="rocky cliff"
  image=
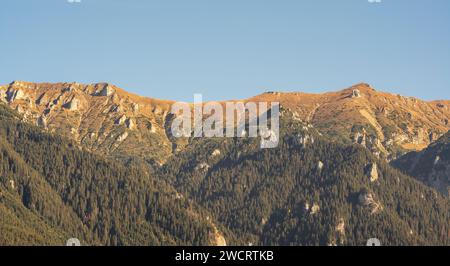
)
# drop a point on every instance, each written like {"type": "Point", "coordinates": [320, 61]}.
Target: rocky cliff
{"type": "Point", "coordinates": [109, 120]}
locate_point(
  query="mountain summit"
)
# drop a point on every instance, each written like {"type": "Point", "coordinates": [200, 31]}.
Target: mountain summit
{"type": "Point", "coordinates": [107, 119]}
{"type": "Point", "coordinates": [101, 116]}
{"type": "Point", "coordinates": [388, 124]}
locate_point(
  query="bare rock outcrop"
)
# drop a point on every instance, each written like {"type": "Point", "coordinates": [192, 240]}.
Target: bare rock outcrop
{"type": "Point", "coordinates": [202, 167]}
{"type": "Point", "coordinates": [340, 227]}
{"type": "Point", "coordinates": [72, 105]}
{"type": "Point", "coordinates": [372, 172]}
{"type": "Point", "coordinates": [304, 140]}
{"type": "Point", "coordinates": [130, 123]}
{"type": "Point", "coordinates": [217, 238]}
{"type": "Point", "coordinates": [14, 94]}
{"type": "Point", "coordinates": [356, 93]}
{"type": "Point", "coordinates": [320, 165]}
{"type": "Point", "coordinates": [107, 90]}
{"type": "Point", "coordinates": [12, 184]}
{"type": "Point", "coordinates": [315, 208]}
{"type": "Point", "coordinates": [121, 120]}
{"type": "Point", "coordinates": [216, 152]}
{"type": "Point", "coordinates": [122, 137]}
{"type": "Point", "coordinates": [367, 199]}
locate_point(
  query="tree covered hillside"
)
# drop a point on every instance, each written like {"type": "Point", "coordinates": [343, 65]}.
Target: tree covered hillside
{"type": "Point", "coordinates": [50, 190]}
{"type": "Point", "coordinates": [308, 191]}
{"type": "Point", "coordinates": [431, 166]}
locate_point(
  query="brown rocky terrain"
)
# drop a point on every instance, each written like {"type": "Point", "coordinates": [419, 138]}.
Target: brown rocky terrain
{"type": "Point", "coordinates": [101, 117]}
{"type": "Point", "coordinates": [109, 120]}
{"type": "Point", "coordinates": [388, 124]}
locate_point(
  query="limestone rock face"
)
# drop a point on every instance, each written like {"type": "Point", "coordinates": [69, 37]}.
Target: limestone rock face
{"type": "Point", "coordinates": [122, 137]}
{"type": "Point", "coordinates": [340, 227]}
{"type": "Point", "coordinates": [13, 95]}
{"type": "Point", "coordinates": [319, 165]}
{"type": "Point", "coordinates": [106, 91]}
{"type": "Point", "coordinates": [216, 152]}
{"type": "Point", "coordinates": [121, 120]}
{"type": "Point", "coordinates": [3, 95]}
{"type": "Point", "coordinates": [89, 115]}
{"type": "Point", "coordinates": [130, 123]}
{"type": "Point", "coordinates": [72, 105]}
{"type": "Point", "coordinates": [315, 208]}
{"type": "Point", "coordinates": [373, 172]}
{"type": "Point", "coordinates": [306, 207]}
{"type": "Point", "coordinates": [360, 138]}
{"type": "Point", "coordinates": [384, 123]}
{"type": "Point", "coordinates": [135, 107]}
{"type": "Point", "coordinates": [12, 184]}
{"type": "Point", "coordinates": [356, 93]}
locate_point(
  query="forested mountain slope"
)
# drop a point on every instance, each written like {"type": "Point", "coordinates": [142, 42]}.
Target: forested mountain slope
{"type": "Point", "coordinates": [431, 166]}
{"type": "Point", "coordinates": [307, 191]}
{"type": "Point", "coordinates": [51, 189]}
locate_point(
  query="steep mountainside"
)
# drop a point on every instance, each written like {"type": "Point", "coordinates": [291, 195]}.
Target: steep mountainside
{"type": "Point", "coordinates": [307, 191]}
{"type": "Point", "coordinates": [51, 190]}
{"type": "Point", "coordinates": [109, 120]}
{"type": "Point", "coordinates": [77, 161]}
{"type": "Point", "coordinates": [387, 124]}
{"type": "Point", "coordinates": [431, 166]}
{"type": "Point", "coordinates": [101, 117]}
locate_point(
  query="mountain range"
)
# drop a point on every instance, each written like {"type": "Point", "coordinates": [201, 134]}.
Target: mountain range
{"type": "Point", "coordinates": [98, 163]}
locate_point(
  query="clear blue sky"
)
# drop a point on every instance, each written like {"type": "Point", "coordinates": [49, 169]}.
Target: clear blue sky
{"type": "Point", "coordinates": [229, 49]}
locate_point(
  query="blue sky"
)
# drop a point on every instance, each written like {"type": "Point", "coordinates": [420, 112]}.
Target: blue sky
{"type": "Point", "coordinates": [230, 49]}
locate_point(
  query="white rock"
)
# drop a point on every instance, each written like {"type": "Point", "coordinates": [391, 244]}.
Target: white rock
{"type": "Point", "coordinates": [356, 93]}
{"type": "Point", "coordinates": [12, 184]}
{"type": "Point", "coordinates": [315, 208]}
{"type": "Point", "coordinates": [269, 139]}
{"type": "Point", "coordinates": [436, 160]}
{"type": "Point", "coordinates": [216, 152]}
{"type": "Point", "coordinates": [340, 227]}
{"type": "Point", "coordinates": [306, 207]}
{"type": "Point", "coordinates": [122, 137]}
{"type": "Point", "coordinates": [106, 91]}
{"type": "Point", "coordinates": [135, 107]}
{"type": "Point", "coordinates": [121, 120]}
{"type": "Point", "coordinates": [13, 95]}
{"type": "Point", "coordinates": [72, 105]}
{"type": "Point", "coordinates": [320, 165]}
{"type": "Point", "coordinates": [373, 172]}
{"type": "Point", "coordinates": [130, 123]}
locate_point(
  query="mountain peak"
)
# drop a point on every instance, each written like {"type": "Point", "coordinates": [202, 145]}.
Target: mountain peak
{"type": "Point", "coordinates": [102, 115]}
{"type": "Point", "coordinates": [363, 86]}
